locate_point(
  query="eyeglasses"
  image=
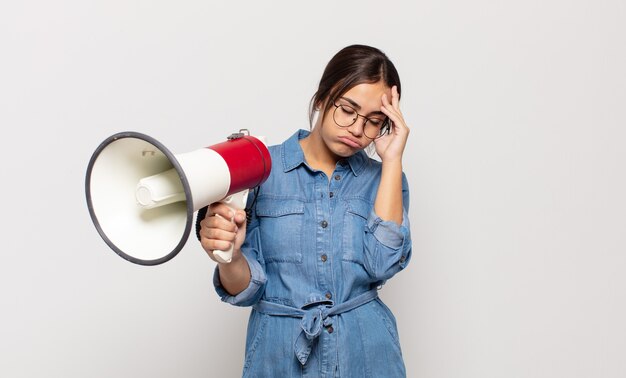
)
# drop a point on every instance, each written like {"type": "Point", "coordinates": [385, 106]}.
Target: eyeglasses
{"type": "Point", "coordinates": [373, 127]}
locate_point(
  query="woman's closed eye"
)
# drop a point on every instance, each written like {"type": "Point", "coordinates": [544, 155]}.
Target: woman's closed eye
{"type": "Point", "coordinates": [347, 110]}
{"type": "Point", "coordinates": [376, 121]}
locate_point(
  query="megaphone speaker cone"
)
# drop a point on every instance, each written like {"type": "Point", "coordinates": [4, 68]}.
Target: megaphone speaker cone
{"type": "Point", "coordinates": [142, 236]}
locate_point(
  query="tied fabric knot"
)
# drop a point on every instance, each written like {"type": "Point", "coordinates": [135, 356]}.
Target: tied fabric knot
{"type": "Point", "coordinates": [312, 322]}
{"type": "Point", "coordinates": [313, 319]}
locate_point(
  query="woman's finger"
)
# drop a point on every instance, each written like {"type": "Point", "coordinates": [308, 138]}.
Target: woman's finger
{"type": "Point", "coordinates": [390, 107]}
{"type": "Point", "coordinates": [393, 115]}
{"type": "Point", "coordinates": [395, 98]}
{"type": "Point", "coordinates": [221, 209]}
{"type": "Point", "coordinates": [218, 222]}
{"type": "Point", "coordinates": [212, 245]}
{"type": "Point", "coordinates": [217, 234]}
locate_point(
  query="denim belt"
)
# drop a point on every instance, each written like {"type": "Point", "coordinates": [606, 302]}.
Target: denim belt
{"type": "Point", "coordinates": [313, 319]}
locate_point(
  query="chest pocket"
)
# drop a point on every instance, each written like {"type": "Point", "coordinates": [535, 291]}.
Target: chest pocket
{"type": "Point", "coordinates": [354, 221]}
{"type": "Point", "coordinates": [280, 227]}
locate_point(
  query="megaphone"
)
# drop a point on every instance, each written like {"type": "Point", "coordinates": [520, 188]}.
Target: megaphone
{"type": "Point", "coordinates": [142, 198]}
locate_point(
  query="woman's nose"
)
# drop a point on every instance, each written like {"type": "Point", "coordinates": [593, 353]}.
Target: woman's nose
{"type": "Point", "coordinates": [357, 127]}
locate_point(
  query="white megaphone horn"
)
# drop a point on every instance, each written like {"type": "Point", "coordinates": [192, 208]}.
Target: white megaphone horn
{"type": "Point", "coordinates": [141, 197]}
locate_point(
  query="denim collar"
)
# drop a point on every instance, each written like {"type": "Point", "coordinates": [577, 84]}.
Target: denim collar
{"type": "Point", "coordinates": [293, 156]}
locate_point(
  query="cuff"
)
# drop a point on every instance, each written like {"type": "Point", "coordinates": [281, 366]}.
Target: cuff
{"type": "Point", "coordinates": [251, 294]}
{"type": "Point", "coordinates": [389, 233]}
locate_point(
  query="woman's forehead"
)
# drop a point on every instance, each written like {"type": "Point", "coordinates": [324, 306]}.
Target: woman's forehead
{"type": "Point", "coordinates": [368, 95]}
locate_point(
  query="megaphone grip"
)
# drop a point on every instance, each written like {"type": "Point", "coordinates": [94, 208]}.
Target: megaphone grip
{"type": "Point", "coordinates": [235, 201]}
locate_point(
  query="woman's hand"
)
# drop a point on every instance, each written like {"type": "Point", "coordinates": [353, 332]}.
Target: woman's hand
{"type": "Point", "coordinates": [391, 146]}
{"type": "Point", "coordinates": [219, 232]}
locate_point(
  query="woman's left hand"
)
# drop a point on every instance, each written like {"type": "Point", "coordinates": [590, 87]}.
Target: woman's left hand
{"type": "Point", "coordinates": [391, 146]}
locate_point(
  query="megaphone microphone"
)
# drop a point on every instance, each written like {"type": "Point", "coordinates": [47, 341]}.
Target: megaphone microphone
{"type": "Point", "coordinates": [142, 197]}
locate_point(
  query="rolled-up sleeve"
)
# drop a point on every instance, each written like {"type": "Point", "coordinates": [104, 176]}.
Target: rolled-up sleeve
{"type": "Point", "coordinates": [251, 294]}
{"type": "Point", "coordinates": [251, 250]}
{"type": "Point", "coordinates": [388, 245]}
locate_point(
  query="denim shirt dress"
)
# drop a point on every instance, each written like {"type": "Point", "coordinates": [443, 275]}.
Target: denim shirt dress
{"type": "Point", "coordinates": [317, 254]}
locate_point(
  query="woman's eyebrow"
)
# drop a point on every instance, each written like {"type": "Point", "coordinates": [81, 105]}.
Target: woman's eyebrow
{"type": "Point", "coordinates": [357, 106]}
{"type": "Point", "coordinates": [352, 102]}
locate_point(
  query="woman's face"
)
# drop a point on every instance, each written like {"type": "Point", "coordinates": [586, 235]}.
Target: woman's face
{"type": "Point", "coordinates": [366, 100]}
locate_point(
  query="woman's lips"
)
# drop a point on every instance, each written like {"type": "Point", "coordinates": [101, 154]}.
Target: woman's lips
{"type": "Point", "coordinates": [350, 142]}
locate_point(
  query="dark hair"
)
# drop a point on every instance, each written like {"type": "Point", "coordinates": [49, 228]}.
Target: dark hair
{"type": "Point", "coordinates": [351, 66]}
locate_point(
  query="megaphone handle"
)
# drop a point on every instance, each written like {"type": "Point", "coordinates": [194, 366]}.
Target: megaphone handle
{"type": "Point", "coordinates": [235, 201]}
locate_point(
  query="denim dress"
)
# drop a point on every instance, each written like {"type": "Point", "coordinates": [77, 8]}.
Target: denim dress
{"type": "Point", "coordinates": [318, 253]}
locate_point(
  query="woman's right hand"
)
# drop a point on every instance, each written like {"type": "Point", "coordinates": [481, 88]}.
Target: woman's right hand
{"type": "Point", "coordinates": [219, 232]}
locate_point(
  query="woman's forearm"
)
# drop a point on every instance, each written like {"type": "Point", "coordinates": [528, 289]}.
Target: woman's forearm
{"type": "Point", "coordinates": [235, 276]}
{"type": "Point", "coordinates": [388, 205]}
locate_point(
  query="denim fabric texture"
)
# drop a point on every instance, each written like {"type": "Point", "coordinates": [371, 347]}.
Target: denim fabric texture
{"type": "Point", "coordinates": [314, 243]}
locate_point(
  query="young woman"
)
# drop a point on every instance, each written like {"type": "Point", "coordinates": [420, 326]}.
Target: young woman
{"type": "Point", "coordinates": [326, 230]}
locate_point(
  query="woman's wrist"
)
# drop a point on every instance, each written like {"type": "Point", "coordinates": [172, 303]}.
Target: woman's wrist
{"type": "Point", "coordinates": [235, 275]}
{"type": "Point", "coordinates": [235, 262]}
{"type": "Point", "coordinates": [392, 164]}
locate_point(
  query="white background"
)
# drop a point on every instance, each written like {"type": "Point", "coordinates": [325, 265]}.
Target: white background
{"type": "Point", "coordinates": [516, 163]}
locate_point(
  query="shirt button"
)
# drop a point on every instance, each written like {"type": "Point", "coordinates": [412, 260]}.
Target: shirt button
{"type": "Point", "coordinates": [331, 194]}
{"type": "Point", "coordinates": [337, 177]}
{"type": "Point", "coordinates": [329, 295]}
{"type": "Point", "coordinates": [324, 257]}
{"type": "Point", "coordinates": [330, 329]}
{"type": "Point", "coordinates": [402, 259]}
{"type": "Point", "coordinates": [324, 224]}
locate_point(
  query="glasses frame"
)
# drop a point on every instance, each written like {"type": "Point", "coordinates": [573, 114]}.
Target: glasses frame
{"type": "Point", "coordinates": [384, 128]}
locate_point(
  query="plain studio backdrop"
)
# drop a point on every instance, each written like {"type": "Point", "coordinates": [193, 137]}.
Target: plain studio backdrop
{"type": "Point", "coordinates": [516, 163]}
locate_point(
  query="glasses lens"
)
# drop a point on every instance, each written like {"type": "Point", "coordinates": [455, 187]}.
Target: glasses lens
{"type": "Point", "coordinates": [345, 115]}
{"type": "Point", "coordinates": [374, 127]}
